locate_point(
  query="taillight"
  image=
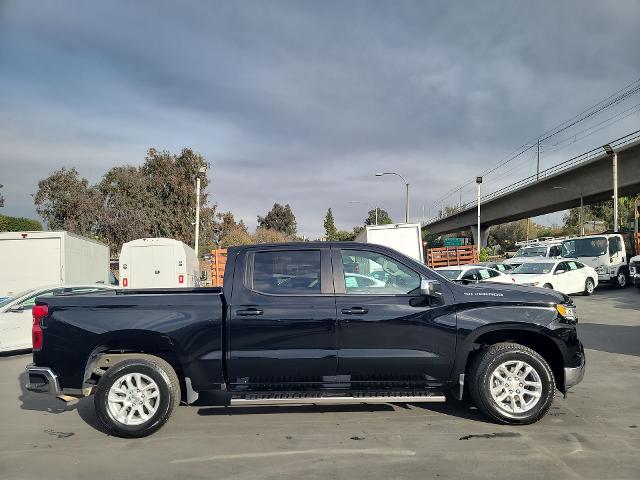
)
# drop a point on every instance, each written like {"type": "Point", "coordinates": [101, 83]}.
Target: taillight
{"type": "Point", "coordinates": [180, 278]}
{"type": "Point", "coordinates": [125, 282]}
{"type": "Point", "coordinates": [38, 312]}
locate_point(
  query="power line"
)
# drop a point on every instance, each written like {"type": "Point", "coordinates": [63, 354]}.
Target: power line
{"type": "Point", "coordinates": [615, 98]}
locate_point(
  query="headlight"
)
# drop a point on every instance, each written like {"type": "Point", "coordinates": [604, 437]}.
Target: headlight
{"type": "Point", "coordinates": [600, 269]}
{"type": "Point", "coordinates": [567, 313]}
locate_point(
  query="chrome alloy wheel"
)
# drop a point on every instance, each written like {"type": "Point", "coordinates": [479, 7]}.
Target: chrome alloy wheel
{"type": "Point", "coordinates": [515, 386]}
{"type": "Point", "coordinates": [133, 399]}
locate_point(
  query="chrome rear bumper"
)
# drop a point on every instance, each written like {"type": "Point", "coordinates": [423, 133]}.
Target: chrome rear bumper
{"type": "Point", "coordinates": [42, 380]}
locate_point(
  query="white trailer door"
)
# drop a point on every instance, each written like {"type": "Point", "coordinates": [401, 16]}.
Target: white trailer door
{"type": "Point", "coordinates": [30, 263]}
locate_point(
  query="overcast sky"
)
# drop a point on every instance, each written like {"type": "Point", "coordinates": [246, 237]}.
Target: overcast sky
{"type": "Point", "coordinates": [302, 102]}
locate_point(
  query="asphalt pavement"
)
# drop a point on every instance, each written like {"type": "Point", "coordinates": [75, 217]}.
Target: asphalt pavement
{"type": "Point", "coordinates": [593, 434]}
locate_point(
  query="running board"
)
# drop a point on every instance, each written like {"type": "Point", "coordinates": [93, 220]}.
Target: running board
{"type": "Point", "coordinates": [273, 398]}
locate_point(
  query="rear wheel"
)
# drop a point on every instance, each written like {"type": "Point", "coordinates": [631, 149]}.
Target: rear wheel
{"type": "Point", "coordinates": [136, 397]}
{"type": "Point", "coordinates": [512, 384]}
{"type": "Point", "coordinates": [589, 286]}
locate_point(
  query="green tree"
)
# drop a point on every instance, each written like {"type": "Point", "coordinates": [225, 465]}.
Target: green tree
{"type": "Point", "coordinates": [603, 211]}
{"type": "Point", "coordinates": [330, 229]}
{"type": "Point", "coordinates": [67, 202]}
{"type": "Point", "coordinates": [270, 235]}
{"type": "Point", "coordinates": [19, 224]}
{"type": "Point", "coordinates": [228, 232]}
{"type": "Point", "coordinates": [154, 200]}
{"type": "Point", "coordinates": [280, 218]}
{"type": "Point", "coordinates": [507, 234]}
{"type": "Point", "coordinates": [382, 215]}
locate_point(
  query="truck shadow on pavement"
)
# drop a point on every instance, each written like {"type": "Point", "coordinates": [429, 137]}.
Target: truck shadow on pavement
{"type": "Point", "coordinates": [51, 404]}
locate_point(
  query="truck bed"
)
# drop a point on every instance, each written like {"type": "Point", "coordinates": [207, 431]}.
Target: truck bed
{"type": "Point", "coordinates": [182, 323]}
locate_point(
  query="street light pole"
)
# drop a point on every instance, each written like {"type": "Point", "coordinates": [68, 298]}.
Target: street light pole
{"type": "Point", "coordinates": [610, 151]}
{"type": "Point", "coordinates": [201, 171]}
{"type": "Point", "coordinates": [479, 241]}
{"type": "Point", "coordinates": [406, 203]}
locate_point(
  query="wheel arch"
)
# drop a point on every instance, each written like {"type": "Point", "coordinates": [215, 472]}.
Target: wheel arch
{"type": "Point", "coordinates": [535, 340]}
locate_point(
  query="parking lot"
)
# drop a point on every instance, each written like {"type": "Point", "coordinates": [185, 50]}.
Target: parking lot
{"type": "Point", "coordinates": [594, 433]}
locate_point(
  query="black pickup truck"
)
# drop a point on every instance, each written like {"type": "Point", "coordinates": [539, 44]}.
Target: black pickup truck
{"type": "Point", "coordinates": [311, 323]}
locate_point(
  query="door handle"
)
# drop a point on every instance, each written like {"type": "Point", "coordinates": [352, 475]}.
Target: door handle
{"type": "Point", "coordinates": [249, 312]}
{"type": "Point", "coordinates": [355, 311]}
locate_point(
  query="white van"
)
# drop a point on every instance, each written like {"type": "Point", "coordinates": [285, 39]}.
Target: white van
{"type": "Point", "coordinates": [158, 263]}
{"type": "Point", "coordinates": [403, 237]}
{"type": "Point", "coordinates": [33, 259]}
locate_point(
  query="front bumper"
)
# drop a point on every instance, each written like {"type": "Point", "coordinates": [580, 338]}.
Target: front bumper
{"type": "Point", "coordinates": [574, 375]}
{"type": "Point", "coordinates": [42, 380]}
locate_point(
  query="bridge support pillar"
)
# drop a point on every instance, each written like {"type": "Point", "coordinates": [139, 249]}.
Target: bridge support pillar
{"type": "Point", "coordinates": [484, 235]}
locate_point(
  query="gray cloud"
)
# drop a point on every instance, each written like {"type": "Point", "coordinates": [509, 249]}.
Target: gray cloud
{"type": "Point", "coordinates": [301, 102]}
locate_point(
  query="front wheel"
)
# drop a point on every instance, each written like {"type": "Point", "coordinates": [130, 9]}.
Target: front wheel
{"type": "Point", "coordinates": [136, 397]}
{"type": "Point", "coordinates": [621, 279]}
{"type": "Point", "coordinates": [512, 384]}
{"type": "Point", "coordinates": [589, 286]}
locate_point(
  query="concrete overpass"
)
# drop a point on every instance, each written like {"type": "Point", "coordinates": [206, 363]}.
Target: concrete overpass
{"type": "Point", "coordinates": [590, 173]}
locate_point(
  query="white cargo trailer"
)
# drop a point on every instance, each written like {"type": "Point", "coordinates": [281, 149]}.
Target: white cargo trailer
{"type": "Point", "coordinates": [158, 263]}
{"type": "Point", "coordinates": [403, 237]}
{"type": "Point", "coordinates": [36, 259]}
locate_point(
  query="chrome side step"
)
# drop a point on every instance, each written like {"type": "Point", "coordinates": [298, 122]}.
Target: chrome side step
{"type": "Point", "coordinates": [273, 398]}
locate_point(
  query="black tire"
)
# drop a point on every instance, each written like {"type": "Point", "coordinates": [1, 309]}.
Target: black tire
{"type": "Point", "coordinates": [548, 285]}
{"type": "Point", "coordinates": [622, 279]}
{"type": "Point", "coordinates": [489, 360]}
{"type": "Point", "coordinates": [589, 286]}
{"type": "Point", "coordinates": [169, 395]}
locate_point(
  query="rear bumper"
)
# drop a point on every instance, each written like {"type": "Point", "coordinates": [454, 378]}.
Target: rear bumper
{"type": "Point", "coordinates": [42, 380]}
{"type": "Point", "coordinates": [574, 375]}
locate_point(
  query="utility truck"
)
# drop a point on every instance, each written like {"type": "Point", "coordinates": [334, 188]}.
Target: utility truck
{"type": "Point", "coordinates": [158, 263]}
{"type": "Point", "coordinates": [36, 259]}
{"type": "Point", "coordinates": [608, 253]}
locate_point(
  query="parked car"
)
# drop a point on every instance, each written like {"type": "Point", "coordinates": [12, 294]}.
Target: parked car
{"type": "Point", "coordinates": [475, 273]}
{"type": "Point", "coordinates": [634, 270]}
{"type": "Point", "coordinates": [550, 249]}
{"type": "Point", "coordinates": [16, 318]}
{"type": "Point", "coordinates": [501, 267]}
{"type": "Point", "coordinates": [257, 341]}
{"type": "Point", "coordinates": [566, 276]}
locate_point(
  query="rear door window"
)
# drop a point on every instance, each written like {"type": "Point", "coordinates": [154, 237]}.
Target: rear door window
{"type": "Point", "coordinates": [286, 272]}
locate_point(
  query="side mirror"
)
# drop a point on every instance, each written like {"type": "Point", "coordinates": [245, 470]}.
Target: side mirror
{"type": "Point", "coordinates": [431, 289]}
{"type": "Point", "coordinates": [17, 309]}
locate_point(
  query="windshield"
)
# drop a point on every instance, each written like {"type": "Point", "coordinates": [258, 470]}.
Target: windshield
{"type": "Point", "coordinates": [534, 268]}
{"type": "Point", "coordinates": [532, 252]}
{"type": "Point", "coordinates": [450, 274]}
{"type": "Point", "coordinates": [584, 247]}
